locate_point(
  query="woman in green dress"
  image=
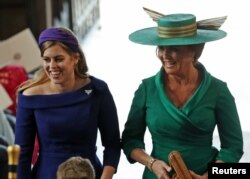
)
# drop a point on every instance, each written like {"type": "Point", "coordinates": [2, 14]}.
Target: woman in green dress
{"type": "Point", "coordinates": [181, 104]}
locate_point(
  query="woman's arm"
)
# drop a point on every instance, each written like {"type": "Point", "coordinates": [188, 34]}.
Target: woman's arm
{"type": "Point", "coordinates": [135, 126]}
{"type": "Point", "coordinates": [25, 132]}
{"type": "Point", "coordinates": [229, 127]}
{"type": "Point", "coordinates": [110, 134]}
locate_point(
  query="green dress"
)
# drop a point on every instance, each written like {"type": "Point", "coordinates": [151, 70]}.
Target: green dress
{"type": "Point", "coordinates": [189, 129]}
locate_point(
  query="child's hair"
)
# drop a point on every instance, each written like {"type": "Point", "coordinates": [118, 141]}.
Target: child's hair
{"type": "Point", "coordinates": [76, 168]}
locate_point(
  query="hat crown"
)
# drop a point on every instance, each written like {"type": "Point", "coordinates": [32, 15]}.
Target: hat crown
{"type": "Point", "coordinates": [177, 25]}
{"type": "Point", "coordinates": [176, 20]}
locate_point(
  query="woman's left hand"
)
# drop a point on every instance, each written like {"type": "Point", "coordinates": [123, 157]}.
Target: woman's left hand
{"type": "Point", "coordinates": [196, 176]}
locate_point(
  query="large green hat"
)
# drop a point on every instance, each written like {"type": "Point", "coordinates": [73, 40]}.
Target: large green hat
{"type": "Point", "coordinates": [179, 29]}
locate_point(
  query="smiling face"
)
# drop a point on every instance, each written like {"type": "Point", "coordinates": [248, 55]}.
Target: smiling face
{"type": "Point", "coordinates": [59, 65]}
{"type": "Point", "coordinates": [176, 60]}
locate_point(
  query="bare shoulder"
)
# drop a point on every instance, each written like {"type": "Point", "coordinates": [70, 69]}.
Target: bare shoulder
{"type": "Point", "coordinates": [34, 90]}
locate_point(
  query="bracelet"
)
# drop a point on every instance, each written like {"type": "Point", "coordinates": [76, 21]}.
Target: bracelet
{"type": "Point", "coordinates": [150, 162]}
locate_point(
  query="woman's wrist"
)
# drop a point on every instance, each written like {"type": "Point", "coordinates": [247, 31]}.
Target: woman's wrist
{"type": "Point", "coordinates": [150, 163]}
{"type": "Point", "coordinates": [108, 172]}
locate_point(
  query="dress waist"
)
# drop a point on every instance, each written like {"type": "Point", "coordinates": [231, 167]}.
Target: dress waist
{"type": "Point", "coordinates": [84, 152]}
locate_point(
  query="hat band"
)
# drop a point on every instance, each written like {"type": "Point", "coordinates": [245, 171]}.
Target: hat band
{"type": "Point", "coordinates": [173, 32]}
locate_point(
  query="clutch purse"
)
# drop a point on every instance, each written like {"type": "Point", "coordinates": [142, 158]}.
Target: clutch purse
{"type": "Point", "coordinates": [179, 166]}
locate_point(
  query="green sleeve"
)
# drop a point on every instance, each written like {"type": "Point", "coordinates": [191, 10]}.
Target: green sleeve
{"type": "Point", "coordinates": [229, 127]}
{"type": "Point", "coordinates": [135, 126]}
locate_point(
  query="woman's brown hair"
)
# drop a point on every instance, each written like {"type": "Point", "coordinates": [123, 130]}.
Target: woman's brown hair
{"type": "Point", "coordinates": [40, 76]}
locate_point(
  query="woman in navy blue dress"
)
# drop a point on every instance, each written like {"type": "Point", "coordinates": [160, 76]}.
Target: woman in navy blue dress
{"type": "Point", "coordinates": [65, 107]}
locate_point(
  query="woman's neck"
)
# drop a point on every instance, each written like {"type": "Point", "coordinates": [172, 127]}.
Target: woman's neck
{"type": "Point", "coordinates": [189, 77]}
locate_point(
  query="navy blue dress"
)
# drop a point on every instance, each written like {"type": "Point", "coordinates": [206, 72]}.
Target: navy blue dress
{"type": "Point", "coordinates": [67, 125]}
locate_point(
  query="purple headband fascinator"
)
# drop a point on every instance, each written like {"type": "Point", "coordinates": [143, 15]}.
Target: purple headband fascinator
{"type": "Point", "coordinates": [57, 34]}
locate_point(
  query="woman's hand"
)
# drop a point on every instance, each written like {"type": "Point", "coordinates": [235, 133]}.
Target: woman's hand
{"type": "Point", "coordinates": [196, 176]}
{"type": "Point", "coordinates": [161, 169]}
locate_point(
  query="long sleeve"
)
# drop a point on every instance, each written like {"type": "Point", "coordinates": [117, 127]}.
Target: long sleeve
{"type": "Point", "coordinates": [135, 127]}
{"type": "Point", "coordinates": [25, 137]}
{"type": "Point", "coordinates": [109, 129]}
{"type": "Point", "coordinates": [229, 127]}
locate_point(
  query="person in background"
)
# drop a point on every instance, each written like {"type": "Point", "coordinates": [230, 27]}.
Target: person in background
{"type": "Point", "coordinates": [181, 104]}
{"type": "Point", "coordinates": [65, 107]}
{"type": "Point", "coordinates": [11, 76]}
{"type": "Point", "coordinates": [77, 168]}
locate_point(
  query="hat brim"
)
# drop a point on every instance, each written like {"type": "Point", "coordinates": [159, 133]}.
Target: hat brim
{"type": "Point", "coordinates": [149, 36]}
